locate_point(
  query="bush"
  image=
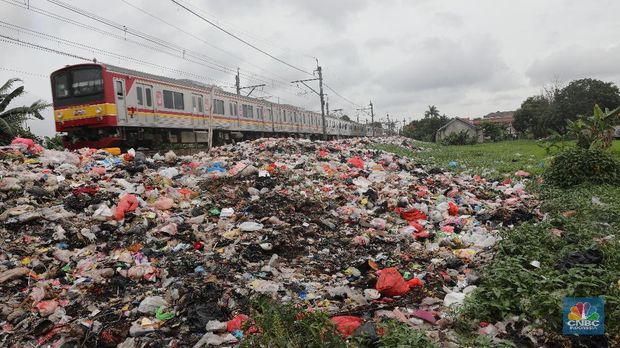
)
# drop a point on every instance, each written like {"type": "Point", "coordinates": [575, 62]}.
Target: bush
{"type": "Point", "coordinates": [460, 138]}
{"type": "Point", "coordinates": [577, 165]}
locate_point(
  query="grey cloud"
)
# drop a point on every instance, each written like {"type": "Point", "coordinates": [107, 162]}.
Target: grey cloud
{"type": "Point", "coordinates": [576, 62]}
{"type": "Point", "coordinates": [449, 19]}
{"type": "Point", "coordinates": [378, 43]}
{"type": "Point", "coordinates": [444, 63]}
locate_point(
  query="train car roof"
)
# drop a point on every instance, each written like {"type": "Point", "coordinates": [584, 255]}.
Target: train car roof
{"type": "Point", "coordinates": [183, 82]}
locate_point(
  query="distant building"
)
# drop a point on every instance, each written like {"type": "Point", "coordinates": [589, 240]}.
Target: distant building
{"type": "Point", "coordinates": [457, 125]}
{"type": "Point", "coordinates": [504, 118]}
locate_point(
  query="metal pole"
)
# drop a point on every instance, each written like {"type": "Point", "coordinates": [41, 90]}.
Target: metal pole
{"type": "Point", "coordinates": [318, 68]}
{"type": "Point", "coordinates": [372, 118]}
{"type": "Point", "coordinates": [238, 82]}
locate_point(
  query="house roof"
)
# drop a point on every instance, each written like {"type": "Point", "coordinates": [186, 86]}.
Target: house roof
{"type": "Point", "coordinates": [457, 119]}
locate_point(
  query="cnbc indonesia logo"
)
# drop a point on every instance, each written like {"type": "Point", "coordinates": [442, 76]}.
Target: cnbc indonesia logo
{"type": "Point", "coordinates": [583, 316]}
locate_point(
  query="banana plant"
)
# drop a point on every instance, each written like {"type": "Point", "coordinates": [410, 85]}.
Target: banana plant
{"type": "Point", "coordinates": [595, 131]}
{"type": "Point", "coordinates": [11, 119]}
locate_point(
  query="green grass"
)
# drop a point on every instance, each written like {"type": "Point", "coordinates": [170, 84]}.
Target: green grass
{"type": "Point", "coordinates": [510, 286]}
{"type": "Point", "coordinates": [491, 160]}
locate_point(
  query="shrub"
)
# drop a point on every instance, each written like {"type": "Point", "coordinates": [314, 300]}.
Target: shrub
{"type": "Point", "coordinates": [460, 138]}
{"type": "Point", "coordinates": [578, 165]}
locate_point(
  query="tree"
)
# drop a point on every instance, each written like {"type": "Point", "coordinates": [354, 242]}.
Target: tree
{"type": "Point", "coordinates": [11, 120]}
{"type": "Point", "coordinates": [426, 128]}
{"type": "Point", "coordinates": [529, 118]}
{"type": "Point", "coordinates": [578, 99]}
{"type": "Point", "coordinates": [432, 111]}
{"type": "Point", "coordinates": [494, 131]}
{"type": "Point", "coordinates": [345, 118]}
{"type": "Point", "coordinates": [376, 124]}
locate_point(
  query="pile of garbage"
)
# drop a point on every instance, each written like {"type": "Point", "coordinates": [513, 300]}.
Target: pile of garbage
{"type": "Point", "coordinates": [123, 250]}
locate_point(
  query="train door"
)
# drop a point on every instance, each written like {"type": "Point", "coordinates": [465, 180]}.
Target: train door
{"type": "Point", "coordinates": [197, 111]}
{"type": "Point", "coordinates": [149, 104]}
{"type": "Point", "coordinates": [121, 103]}
{"type": "Point", "coordinates": [272, 121]}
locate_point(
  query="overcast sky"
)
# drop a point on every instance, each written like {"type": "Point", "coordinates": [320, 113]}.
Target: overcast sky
{"type": "Point", "coordinates": [468, 58]}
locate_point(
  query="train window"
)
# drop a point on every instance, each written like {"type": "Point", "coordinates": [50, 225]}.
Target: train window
{"type": "Point", "coordinates": [173, 100]}
{"type": "Point", "coordinates": [248, 111]}
{"type": "Point", "coordinates": [218, 106]}
{"type": "Point", "coordinates": [283, 115]}
{"type": "Point", "coordinates": [178, 101]}
{"type": "Point", "coordinates": [61, 88]}
{"type": "Point", "coordinates": [200, 104]}
{"type": "Point", "coordinates": [149, 97]}
{"type": "Point", "coordinates": [194, 104]}
{"type": "Point", "coordinates": [233, 109]}
{"type": "Point", "coordinates": [86, 82]}
{"type": "Point", "coordinates": [270, 115]}
{"type": "Point", "coordinates": [168, 100]}
{"type": "Point", "coordinates": [236, 109]}
{"type": "Point", "coordinates": [119, 89]}
{"type": "Point", "coordinates": [139, 95]}
{"type": "Point", "coordinates": [259, 113]}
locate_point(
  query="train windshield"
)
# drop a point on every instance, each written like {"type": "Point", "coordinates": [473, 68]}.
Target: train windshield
{"type": "Point", "coordinates": [81, 85]}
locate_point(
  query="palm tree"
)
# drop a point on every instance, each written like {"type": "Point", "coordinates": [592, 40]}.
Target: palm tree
{"type": "Point", "coordinates": [11, 120]}
{"type": "Point", "coordinates": [432, 111]}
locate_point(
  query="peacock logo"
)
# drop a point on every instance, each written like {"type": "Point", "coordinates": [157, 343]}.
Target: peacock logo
{"type": "Point", "coordinates": [584, 316]}
{"type": "Point", "coordinates": [583, 311]}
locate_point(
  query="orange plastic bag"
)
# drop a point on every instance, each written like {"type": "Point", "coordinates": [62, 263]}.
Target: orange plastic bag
{"type": "Point", "coordinates": [391, 283]}
{"type": "Point", "coordinates": [347, 324]}
{"type": "Point", "coordinates": [356, 162]}
{"type": "Point", "coordinates": [127, 203]}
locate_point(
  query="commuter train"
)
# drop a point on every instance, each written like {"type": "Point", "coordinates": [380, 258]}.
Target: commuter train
{"type": "Point", "coordinates": [100, 105]}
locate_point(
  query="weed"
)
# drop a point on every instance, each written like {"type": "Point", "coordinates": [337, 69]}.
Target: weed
{"type": "Point", "coordinates": [282, 325]}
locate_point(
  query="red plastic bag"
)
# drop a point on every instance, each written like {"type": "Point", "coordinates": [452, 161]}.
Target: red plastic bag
{"type": "Point", "coordinates": [413, 215]}
{"type": "Point", "coordinates": [356, 162]}
{"type": "Point", "coordinates": [237, 322]}
{"type": "Point", "coordinates": [127, 203]}
{"type": "Point", "coordinates": [391, 283]}
{"type": "Point", "coordinates": [453, 209]}
{"type": "Point", "coordinates": [29, 143]}
{"type": "Point", "coordinates": [347, 324]}
{"type": "Point", "coordinates": [23, 141]}
{"type": "Point", "coordinates": [413, 282]}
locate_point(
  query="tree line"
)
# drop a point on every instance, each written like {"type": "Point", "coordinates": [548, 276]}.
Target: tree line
{"type": "Point", "coordinates": [554, 109]}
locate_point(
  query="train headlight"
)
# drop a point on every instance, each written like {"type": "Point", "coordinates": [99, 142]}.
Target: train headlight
{"type": "Point", "coordinates": [98, 110]}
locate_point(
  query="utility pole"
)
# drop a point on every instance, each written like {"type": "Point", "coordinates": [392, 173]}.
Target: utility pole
{"type": "Point", "coordinates": [388, 122]}
{"type": "Point", "coordinates": [372, 118]}
{"type": "Point", "coordinates": [327, 105]}
{"type": "Point", "coordinates": [239, 88]}
{"type": "Point", "coordinates": [320, 93]}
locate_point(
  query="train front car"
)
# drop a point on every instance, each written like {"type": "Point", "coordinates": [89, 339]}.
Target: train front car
{"type": "Point", "coordinates": [84, 106]}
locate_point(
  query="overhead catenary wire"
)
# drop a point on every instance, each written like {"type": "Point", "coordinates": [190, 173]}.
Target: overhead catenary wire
{"type": "Point", "coordinates": [245, 32]}
{"type": "Point", "coordinates": [239, 38]}
{"type": "Point", "coordinates": [196, 37]}
{"type": "Point", "coordinates": [23, 72]}
{"type": "Point", "coordinates": [18, 42]}
{"type": "Point", "coordinates": [176, 52]}
{"type": "Point", "coordinates": [167, 45]}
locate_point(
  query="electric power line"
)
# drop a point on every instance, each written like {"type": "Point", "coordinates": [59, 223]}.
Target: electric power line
{"type": "Point", "coordinates": [240, 39]}
{"type": "Point", "coordinates": [165, 44]}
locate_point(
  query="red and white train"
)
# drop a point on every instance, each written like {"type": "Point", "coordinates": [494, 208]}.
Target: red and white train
{"type": "Point", "coordinates": [100, 105]}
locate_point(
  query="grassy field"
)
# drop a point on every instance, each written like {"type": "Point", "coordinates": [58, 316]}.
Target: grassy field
{"type": "Point", "coordinates": [510, 286]}
{"type": "Point", "coordinates": [492, 160]}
